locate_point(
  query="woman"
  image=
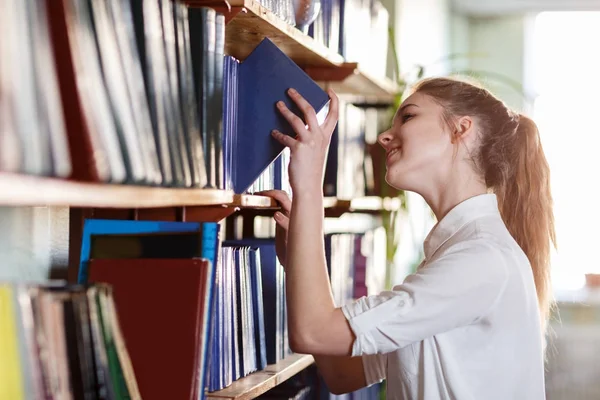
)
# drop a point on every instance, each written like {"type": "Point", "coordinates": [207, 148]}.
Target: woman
{"type": "Point", "coordinates": [469, 324]}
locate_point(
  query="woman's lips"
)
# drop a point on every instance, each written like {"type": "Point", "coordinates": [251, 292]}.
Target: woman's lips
{"type": "Point", "coordinates": [391, 153]}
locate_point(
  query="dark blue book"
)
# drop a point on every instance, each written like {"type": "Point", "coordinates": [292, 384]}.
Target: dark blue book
{"type": "Point", "coordinates": [264, 79]}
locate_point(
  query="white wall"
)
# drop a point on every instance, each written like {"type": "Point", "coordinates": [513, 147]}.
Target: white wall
{"type": "Point", "coordinates": [424, 34]}
{"type": "Point", "coordinates": [422, 30]}
{"type": "Point", "coordinates": [500, 40]}
{"type": "Point", "coordinates": [33, 243]}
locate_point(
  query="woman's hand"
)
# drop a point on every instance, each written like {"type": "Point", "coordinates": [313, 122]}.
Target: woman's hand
{"type": "Point", "coordinates": [282, 219]}
{"type": "Point", "coordinates": [309, 148]}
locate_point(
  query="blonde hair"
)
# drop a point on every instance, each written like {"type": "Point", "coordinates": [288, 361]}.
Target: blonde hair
{"type": "Point", "coordinates": [512, 162]}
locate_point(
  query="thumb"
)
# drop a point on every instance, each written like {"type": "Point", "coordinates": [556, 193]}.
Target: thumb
{"type": "Point", "coordinates": [282, 220]}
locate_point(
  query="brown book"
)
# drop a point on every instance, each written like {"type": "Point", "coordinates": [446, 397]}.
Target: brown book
{"type": "Point", "coordinates": [160, 307]}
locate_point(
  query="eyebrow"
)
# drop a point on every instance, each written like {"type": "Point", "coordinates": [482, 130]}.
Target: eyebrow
{"type": "Point", "coordinates": [406, 106]}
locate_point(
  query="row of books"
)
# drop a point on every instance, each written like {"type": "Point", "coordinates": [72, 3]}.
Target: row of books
{"type": "Point", "coordinates": [236, 325]}
{"type": "Point", "coordinates": [63, 342]}
{"type": "Point", "coordinates": [356, 162]}
{"type": "Point", "coordinates": [284, 9]}
{"type": "Point", "coordinates": [356, 29]}
{"type": "Point", "coordinates": [163, 277]}
{"type": "Point", "coordinates": [147, 96]}
{"type": "Point", "coordinates": [193, 312]}
{"type": "Point", "coordinates": [354, 263]}
{"type": "Point", "coordinates": [112, 91]}
{"type": "Point", "coordinates": [250, 329]}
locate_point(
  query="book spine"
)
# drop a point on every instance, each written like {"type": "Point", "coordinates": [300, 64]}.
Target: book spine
{"type": "Point", "coordinates": [172, 111]}
{"type": "Point", "coordinates": [217, 111]}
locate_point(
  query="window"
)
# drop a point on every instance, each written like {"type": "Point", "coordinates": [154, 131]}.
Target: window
{"type": "Point", "coordinates": [565, 74]}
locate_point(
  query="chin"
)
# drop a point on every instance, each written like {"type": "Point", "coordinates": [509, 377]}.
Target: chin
{"type": "Point", "coordinates": [403, 180]}
{"type": "Point", "coordinates": [395, 181]}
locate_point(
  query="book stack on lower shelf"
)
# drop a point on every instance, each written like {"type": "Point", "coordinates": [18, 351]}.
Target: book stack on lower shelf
{"type": "Point", "coordinates": [63, 342]}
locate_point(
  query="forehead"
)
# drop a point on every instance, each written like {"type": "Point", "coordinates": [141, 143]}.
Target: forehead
{"type": "Point", "coordinates": [419, 99]}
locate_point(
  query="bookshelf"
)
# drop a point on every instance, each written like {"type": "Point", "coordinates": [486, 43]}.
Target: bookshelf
{"type": "Point", "coordinates": [259, 382]}
{"type": "Point", "coordinates": [248, 23]}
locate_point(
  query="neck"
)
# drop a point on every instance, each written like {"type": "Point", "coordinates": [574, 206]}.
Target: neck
{"type": "Point", "coordinates": [454, 192]}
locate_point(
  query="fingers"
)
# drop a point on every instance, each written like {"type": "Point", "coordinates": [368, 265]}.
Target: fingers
{"type": "Point", "coordinates": [281, 197]}
{"type": "Point", "coordinates": [282, 221]}
{"type": "Point", "coordinates": [293, 119]}
{"type": "Point", "coordinates": [284, 139]}
{"type": "Point", "coordinates": [333, 115]}
{"type": "Point", "coordinates": [310, 115]}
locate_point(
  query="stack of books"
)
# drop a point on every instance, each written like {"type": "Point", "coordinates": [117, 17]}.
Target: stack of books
{"type": "Point", "coordinates": [63, 342]}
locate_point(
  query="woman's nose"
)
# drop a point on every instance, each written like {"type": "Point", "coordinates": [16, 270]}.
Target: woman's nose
{"type": "Point", "coordinates": [385, 138]}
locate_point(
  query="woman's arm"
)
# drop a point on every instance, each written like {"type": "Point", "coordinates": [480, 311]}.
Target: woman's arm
{"type": "Point", "coordinates": [342, 374]}
{"type": "Point", "coordinates": [316, 326]}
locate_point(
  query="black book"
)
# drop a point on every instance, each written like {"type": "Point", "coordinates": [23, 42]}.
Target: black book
{"type": "Point", "coordinates": [203, 42]}
{"type": "Point", "coordinates": [187, 97]}
{"type": "Point", "coordinates": [73, 356]}
{"type": "Point", "coordinates": [84, 344]}
{"type": "Point", "coordinates": [217, 104]}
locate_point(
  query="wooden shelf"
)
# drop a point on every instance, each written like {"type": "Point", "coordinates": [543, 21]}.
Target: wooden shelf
{"type": "Point", "coordinates": [361, 204]}
{"type": "Point", "coordinates": [361, 84]}
{"type": "Point", "coordinates": [25, 190]}
{"type": "Point", "coordinates": [248, 23]}
{"type": "Point", "coordinates": [259, 382]}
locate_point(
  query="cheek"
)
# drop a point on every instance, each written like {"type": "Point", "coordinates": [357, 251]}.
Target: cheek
{"type": "Point", "coordinates": [425, 143]}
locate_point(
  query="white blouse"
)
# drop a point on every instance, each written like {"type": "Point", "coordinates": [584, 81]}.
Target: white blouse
{"type": "Point", "coordinates": [466, 325]}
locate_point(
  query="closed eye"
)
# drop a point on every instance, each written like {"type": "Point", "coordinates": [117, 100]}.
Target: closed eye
{"type": "Point", "coordinates": [406, 117]}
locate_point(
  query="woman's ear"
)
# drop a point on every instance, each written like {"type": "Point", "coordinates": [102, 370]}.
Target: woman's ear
{"type": "Point", "coordinates": [464, 129]}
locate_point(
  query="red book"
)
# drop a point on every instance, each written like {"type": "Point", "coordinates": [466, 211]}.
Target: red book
{"type": "Point", "coordinates": [160, 305]}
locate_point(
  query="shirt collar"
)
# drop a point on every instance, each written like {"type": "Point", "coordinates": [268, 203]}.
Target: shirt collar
{"type": "Point", "coordinates": [463, 213]}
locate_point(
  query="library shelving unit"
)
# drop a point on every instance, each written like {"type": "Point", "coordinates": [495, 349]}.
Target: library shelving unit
{"type": "Point", "coordinates": [247, 24]}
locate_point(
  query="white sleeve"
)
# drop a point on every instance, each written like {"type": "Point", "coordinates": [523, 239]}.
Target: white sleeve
{"type": "Point", "coordinates": [454, 290]}
{"type": "Point", "coordinates": [375, 367]}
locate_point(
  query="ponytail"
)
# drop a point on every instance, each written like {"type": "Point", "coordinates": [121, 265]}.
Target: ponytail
{"type": "Point", "coordinates": [525, 203]}
{"type": "Point", "coordinates": [511, 159]}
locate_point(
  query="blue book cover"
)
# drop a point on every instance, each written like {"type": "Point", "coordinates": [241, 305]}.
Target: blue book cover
{"type": "Point", "coordinates": [264, 79]}
{"type": "Point", "coordinates": [121, 227]}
